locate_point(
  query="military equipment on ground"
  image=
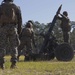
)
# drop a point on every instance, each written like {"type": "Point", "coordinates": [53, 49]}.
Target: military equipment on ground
{"type": "Point", "coordinates": [51, 48]}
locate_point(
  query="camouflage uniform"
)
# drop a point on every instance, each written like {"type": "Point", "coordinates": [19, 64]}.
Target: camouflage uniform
{"type": "Point", "coordinates": [65, 26]}
{"type": "Point", "coordinates": [26, 41]}
{"type": "Point", "coordinates": [9, 30]}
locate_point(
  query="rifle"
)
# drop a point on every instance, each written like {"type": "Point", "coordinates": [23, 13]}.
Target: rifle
{"type": "Point", "coordinates": [46, 39]}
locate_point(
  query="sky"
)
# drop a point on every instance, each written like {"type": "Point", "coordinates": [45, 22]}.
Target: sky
{"type": "Point", "coordinates": [43, 11]}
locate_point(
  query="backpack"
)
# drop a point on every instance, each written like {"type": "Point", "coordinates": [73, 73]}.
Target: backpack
{"type": "Point", "coordinates": [7, 13]}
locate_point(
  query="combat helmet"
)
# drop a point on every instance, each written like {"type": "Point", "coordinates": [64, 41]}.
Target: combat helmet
{"type": "Point", "coordinates": [31, 21]}
{"type": "Point", "coordinates": [29, 25]}
{"type": "Point", "coordinates": [65, 13]}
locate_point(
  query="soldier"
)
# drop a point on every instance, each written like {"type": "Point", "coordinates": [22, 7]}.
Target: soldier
{"type": "Point", "coordinates": [65, 26]}
{"type": "Point", "coordinates": [27, 38]}
{"type": "Point", "coordinates": [10, 27]}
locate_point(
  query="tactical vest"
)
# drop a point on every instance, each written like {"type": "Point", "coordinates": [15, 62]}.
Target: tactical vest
{"type": "Point", "coordinates": [7, 13]}
{"type": "Point", "coordinates": [27, 32]}
{"type": "Point", "coordinates": [65, 25]}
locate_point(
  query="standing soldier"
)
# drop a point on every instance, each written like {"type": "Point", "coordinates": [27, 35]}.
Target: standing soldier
{"type": "Point", "coordinates": [10, 27]}
{"type": "Point", "coordinates": [65, 26]}
{"type": "Point", "coordinates": [27, 38]}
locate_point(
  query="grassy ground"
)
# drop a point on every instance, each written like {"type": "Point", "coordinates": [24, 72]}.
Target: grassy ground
{"type": "Point", "coordinates": [52, 67]}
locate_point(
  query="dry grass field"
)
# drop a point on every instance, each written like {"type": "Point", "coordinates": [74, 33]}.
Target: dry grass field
{"type": "Point", "coordinates": [53, 67]}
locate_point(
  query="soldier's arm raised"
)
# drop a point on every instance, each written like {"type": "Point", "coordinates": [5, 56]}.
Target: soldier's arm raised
{"type": "Point", "coordinates": [64, 16]}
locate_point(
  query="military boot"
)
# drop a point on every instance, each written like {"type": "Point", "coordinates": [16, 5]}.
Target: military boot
{"type": "Point", "coordinates": [18, 58]}
{"type": "Point", "coordinates": [13, 65]}
{"type": "Point", "coordinates": [2, 66]}
{"type": "Point", "coordinates": [26, 58]}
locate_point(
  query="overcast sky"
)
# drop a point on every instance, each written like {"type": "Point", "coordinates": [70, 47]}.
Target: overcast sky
{"type": "Point", "coordinates": [43, 11]}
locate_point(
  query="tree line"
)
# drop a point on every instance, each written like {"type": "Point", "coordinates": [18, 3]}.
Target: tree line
{"type": "Point", "coordinates": [40, 30]}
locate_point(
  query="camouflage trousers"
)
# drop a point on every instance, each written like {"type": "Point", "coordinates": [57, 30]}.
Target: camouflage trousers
{"type": "Point", "coordinates": [66, 36]}
{"type": "Point", "coordinates": [8, 31]}
{"type": "Point", "coordinates": [26, 46]}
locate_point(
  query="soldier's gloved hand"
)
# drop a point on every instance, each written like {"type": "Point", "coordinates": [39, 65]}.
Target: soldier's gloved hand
{"type": "Point", "coordinates": [61, 14]}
